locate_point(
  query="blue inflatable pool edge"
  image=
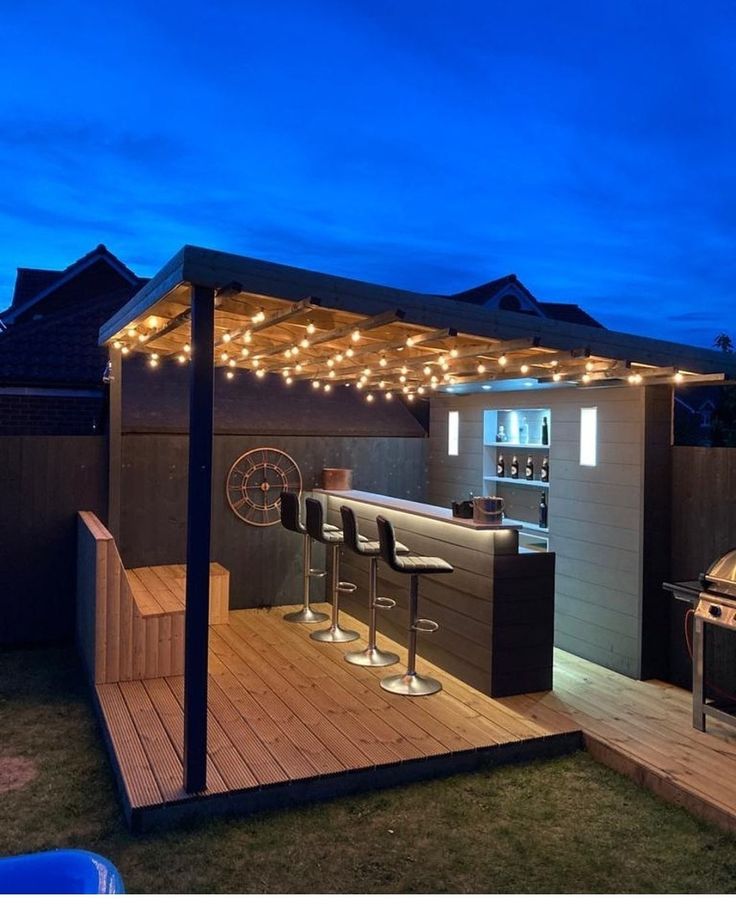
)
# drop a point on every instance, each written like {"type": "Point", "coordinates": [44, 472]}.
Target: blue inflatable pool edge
{"type": "Point", "coordinates": [66, 871]}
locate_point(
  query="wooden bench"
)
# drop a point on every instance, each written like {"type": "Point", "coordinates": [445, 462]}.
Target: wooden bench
{"type": "Point", "coordinates": [130, 623]}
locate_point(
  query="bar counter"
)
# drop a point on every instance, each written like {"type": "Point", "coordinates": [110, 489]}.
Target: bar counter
{"type": "Point", "coordinates": [495, 611]}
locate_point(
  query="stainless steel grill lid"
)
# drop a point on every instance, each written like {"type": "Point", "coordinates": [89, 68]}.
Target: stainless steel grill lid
{"type": "Point", "coordinates": [721, 575]}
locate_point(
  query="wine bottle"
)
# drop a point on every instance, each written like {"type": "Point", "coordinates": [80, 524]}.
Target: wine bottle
{"type": "Point", "coordinates": [515, 467]}
{"type": "Point", "coordinates": [545, 470]}
{"type": "Point", "coordinates": [543, 511]}
{"type": "Point", "coordinates": [529, 468]}
{"type": "Point", "coordinates": [500, 466]}
{"type": "Point", "coordinates": [545, 431]}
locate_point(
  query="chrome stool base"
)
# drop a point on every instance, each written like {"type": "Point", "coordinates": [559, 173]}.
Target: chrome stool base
{"type": "Point", "coordinates": [334, 635]}
{"type": "Point", "coordinates": [372, 657]}
{"type": "Point", "coordinates": [411, 685]}
{"type": "Point", "coordinates": [306, 615]}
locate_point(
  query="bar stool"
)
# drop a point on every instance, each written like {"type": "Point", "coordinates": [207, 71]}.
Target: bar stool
{"type": "Point", "coordinates": [332, 537]}
{"type": "Point", "coordinates": [410, 683]}
{"type": "Point", "coordinates": [371, 655]}
{"type": "Point", "coordinates": [291, 520]}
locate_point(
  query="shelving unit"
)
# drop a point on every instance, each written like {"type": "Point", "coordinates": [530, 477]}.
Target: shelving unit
{"type": "Point", "coordinates": [521, 495]}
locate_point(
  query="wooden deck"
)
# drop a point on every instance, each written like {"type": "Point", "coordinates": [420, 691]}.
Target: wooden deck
{"type": "Point", "coordinates": [643, 729]}
{"type": "Point", "coordinates": [290, 721]}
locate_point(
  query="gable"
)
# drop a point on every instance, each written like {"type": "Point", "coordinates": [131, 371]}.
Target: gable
{"type": "Point", "coordinates": [505, 293]}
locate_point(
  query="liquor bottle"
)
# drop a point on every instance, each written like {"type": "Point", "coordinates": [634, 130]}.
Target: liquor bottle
{"type": "Point", "coordinates": [543, 511]}
{"type": "Point", "coordinates": [500, 466]}
{"type": "Point", "coordinates": [529, 468]}
{"type": "Point", "coordinates": [545, 431]}
{"type": "Point", "coordinates": [545, 470]}
{"type": "Point", "coordinates": [515, 468]}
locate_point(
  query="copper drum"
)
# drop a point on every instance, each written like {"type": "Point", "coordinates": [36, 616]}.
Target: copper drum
{"type": "Point", "coordinates": [488, 509]}
{"type": "Point", "coordinates": [336, 479]}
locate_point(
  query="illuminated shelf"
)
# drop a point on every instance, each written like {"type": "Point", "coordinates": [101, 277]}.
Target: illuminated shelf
{"type": "Point", "coordinates": [511, 444]}
{"type": "Point", "coordinates": [517, 482]}
{"type": "Point", "coordinates": [531, 529]}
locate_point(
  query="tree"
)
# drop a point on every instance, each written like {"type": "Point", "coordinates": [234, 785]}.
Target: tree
{"type": "Point", "coordinates": [724, 343]}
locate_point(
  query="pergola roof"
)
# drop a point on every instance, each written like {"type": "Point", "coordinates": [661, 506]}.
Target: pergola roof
{"type": "Point", "coordinates": [312, 326]}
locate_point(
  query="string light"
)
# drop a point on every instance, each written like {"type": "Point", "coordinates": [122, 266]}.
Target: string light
{"type": "Point", "coordinates": [589, 366]}
{"type": "Point", "coordinates": [366, 371]}
{"type": "Point", "coordinates": [230, 375]}
{"type": "Point", "coordinates": [383, 362]}
{"type": "Point", "coordinates": [187, 348]}
{"type": "Point", "coordinates": [586, 378]}
{"type": "Point", "coordinates": [227, 337]}
{"type": "Point", "coordinates": [502, 359]}
{"type": "Point", "coordinates": [260, 372]}
{"type": "Point", "coordinates": [331, 373]}
{"type": "Point", "coordinates": [404, 370]}
{"type": "Point", "coordinates": [410, 342]}
{"type": "Point", "coordinates": [388, 395]}
{"type": "Point", "coordinates": [553, 363]}
{"type": "Point", "coordinates": [310, 328]}
{"type": "Point", "coordinates": [153, 363]}
{"type": "Point", "coordinates": [223, 356]}
{"type": "Point", "coordinates": [288, 354]}
{"type": "Point", "coordinates": [117, 345]}
{"type": "Point", "coordinates": [288, 379]}
{"type": "Point", "coordinates": [284, 372]}
{"type": "Point", "coordinates": [328, 388]}
{"type": "Point", "coordinates": [245, 351]}
{"type": "Point", "coordinates": [330, 363]}
{"type": "Point", "coordinates": [298, 367]}
{"type": "Point", "coordinates": [355, 336]}
{"type": "Point", "coordinates": [248, 337]}
{"type": "Point", "coordinates": [125, 350]}
{"type": "Point", "coordinates": [349, 351]}
{"type": "Point", "coordinates": [635, 378]}
{"type": "Point", "coordinates": [294, 350]}
{"type": "Point", "coordinates": [339, 357]}
{"type": "Point", "coordinates": [143, 338]}
{"type": "Point", "coordinates": [557, 376]}
{"type": "Point", "coordinates": [411, 397]}
{"type": "Point", "coordinates": [678, 378]}
{"type": "Point", "coordinates": [420, 390]}
{"type": "Point", "coordinates": [481, 368]}
{"type": "Point", "coordinates": [402, 379]}
{"type": "Point", "coordinates": [231, 363]}
{"type": "Point", "coordinates": [315, 383]}
{"type": "Point", "coordinates": [181, 358]}
{"type": "Point", "coordinates": [131, 332]}
{"type": "Point", "coordinates": [426, 370]}
{"type": "Point", "coordinates": [524, 369]}
{"type": "Point", "coordinates": [453, 352]}
{"type": "Point", "coordinates": [445, 367]}
{"type": "Point", "coordinates": [304, 342]}
{"type": "Point", "coordinates": [381, 384]}
{"type": "Point", "coordinates": [255, 362]}
{"type": "Point", "coordinates": [369, 398]}
{"type": "Point", "coordinates": [259, 317]}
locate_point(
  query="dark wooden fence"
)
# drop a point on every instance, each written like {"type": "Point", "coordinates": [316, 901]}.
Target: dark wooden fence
{"type": "Point", "coordinates": [44, 481]}
{"type": "Point", "coordinates": [703, 527]}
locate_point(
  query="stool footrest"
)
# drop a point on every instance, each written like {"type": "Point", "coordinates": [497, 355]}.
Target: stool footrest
{"type": "Point", "coordinates": [384, 602]}
{"type": "Point", "coordinates": [315, 572]}
{"type": "Point", "coordinates": [425, 626]}
{"type": "Point", "coordinates": [346, 587]}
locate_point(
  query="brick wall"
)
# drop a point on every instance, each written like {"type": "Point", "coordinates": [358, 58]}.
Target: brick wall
{"type": "Point", "coordinates": [26, 414]}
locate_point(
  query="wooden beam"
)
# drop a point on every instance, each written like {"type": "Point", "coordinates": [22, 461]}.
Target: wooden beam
{"type": "Point", "coordinates": [199, 513]}
{"type": "Point", "coordinates": [114, 442]}
{"type": "Point", "coordinates": [284, 315]}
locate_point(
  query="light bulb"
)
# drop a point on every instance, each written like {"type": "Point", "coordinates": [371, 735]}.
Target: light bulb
{"type": "Point", "coordinates": [315, 383]}
{"type": "Point", "coordinates": [339, 357]}
{"type": "Point", "coordinates": [230, 375]}
{"type": "Point", "coordinates": [678, 378]}
{"type": "Point", "coordinates": [304, 342]}
{"type": "Point", "coordinates": [388, 395]}
{"type": "Point", "coordinates": [328, 387]}
{"type": "Point", "coordinates": [330, 363]}
{"type": "Point", "coordinates": [502, 359]}
{"type": "Point", "coordinates": [366, 371]}
{"type": "Point", "coordinates": [298, 367]}
{"type": "Point", "coordinates": [382, 384]}
{"type": "Point", "coordinates": [231, 363]}
{"type": "Point", "coordinates": [284, 372]}
{"type": "Point", "coordinates": [117, 345]}
{"type": "Point", "coordinates": [248, 337]}
{"type": "Point", "coordinates": [349, 351]}
{"type": "Point", "coordinates": [153, 363]}
{"type": "Point", "coordinates": [260, 372]}
{"type": "Point", "coordinates": [553, 363]}
{"type": "Point", "coordinates": [181, 358]}
{"type": "Point", "coordinates": [402, 379]}
{"type": "Point", "coordinates": [404, 370]}
{"type": "Point", "coordinates": [355, 336]}
{"type": "Point", "coordinates": [295, 349]}
{"type": "Point", "coordinates": [131, 332]}
{"type": "Point", "coordinates": [410, 342]}
{"type": "Point", "coordinates": [481, 368]}
{"type": "Point", "coordinates": [369, 398]}
{"type": "Point", "coordinates": [589, 366]}
{"type": "Point", "coordinates": [383, 362]}
{"type": "Point", "coordinates": [288, 354]}
{"type": "Point", "coordinates": [245, 351]}
{"type": "Point", "coordinates": [289, 380]}
{"type": "Point", "coordinates": [227, 337]}
{"type": "Point", "coordinates": [557, 377]}
{"type": "Point", "coordinates": [420, 390]}
{"type": "Point", "coordinates": [125, 351]}
{"type": "Point", "coordinates": [426, 370]}
{"type": "Point", "coordinates": [524, 369]}
{"type": "Point", "coordinates": [187, 348]}
{"type": "Point", "coordinates": [411, 397]}
{"type": "Point", "coordinates": [310, 328]}
{"type": "Point", "coordinates": [223, 356]}
{"type": "Point", "coordinates": [331, 373]}
{"type": "Point", "coordinates": [586, 378]}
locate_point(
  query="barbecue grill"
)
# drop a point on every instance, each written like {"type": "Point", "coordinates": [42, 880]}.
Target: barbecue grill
{"type": "Point", "coordinates": [713, 599]}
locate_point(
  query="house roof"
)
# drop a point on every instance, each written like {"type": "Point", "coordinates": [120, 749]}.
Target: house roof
{"type": "Point", "coordinates": [62, 350]}
{"type": "Point", "coordinates": [569, 312]}
{"type": "Point", "coordinates": [36, 284]}
{"type": "Point", "coordinates": [481, 294]}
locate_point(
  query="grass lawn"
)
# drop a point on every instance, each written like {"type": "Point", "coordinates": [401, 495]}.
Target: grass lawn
{"type": "Point", "coordinates": [566, 825]}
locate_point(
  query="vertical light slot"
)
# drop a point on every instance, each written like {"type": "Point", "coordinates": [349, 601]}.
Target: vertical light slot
{"type": "Point", "coordinates": [453, 433]}
{"type": "Point", "coordinates": [588, 436]}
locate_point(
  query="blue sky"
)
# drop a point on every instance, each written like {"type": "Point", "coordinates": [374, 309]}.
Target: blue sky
{"type": "Point", "coordinates": [587, 147]}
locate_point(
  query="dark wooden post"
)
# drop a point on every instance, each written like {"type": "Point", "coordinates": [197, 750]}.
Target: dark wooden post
{"type": "Point", "coordinates": [114, 442]}
{"type": "Point", "coordinates": [199, 508]}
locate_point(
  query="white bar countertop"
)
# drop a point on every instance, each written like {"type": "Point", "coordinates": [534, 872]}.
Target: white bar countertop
{"type": "Point", "coordinates": [430, 511]}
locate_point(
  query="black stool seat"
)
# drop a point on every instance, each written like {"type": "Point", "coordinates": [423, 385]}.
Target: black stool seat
{"type": "Point", "coordinates": [330, 536]}
{"type": "Point", "coordinates": [410, 683]}
{"type": "Point", "coordinates": [291, 520]}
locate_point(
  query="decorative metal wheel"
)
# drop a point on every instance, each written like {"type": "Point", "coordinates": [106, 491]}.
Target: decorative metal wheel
{"type": "Point", "coordinates": [256, 481]}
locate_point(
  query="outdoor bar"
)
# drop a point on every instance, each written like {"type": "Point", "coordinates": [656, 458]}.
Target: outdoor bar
{"type": "Point", "coordinates": [532, 519]}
